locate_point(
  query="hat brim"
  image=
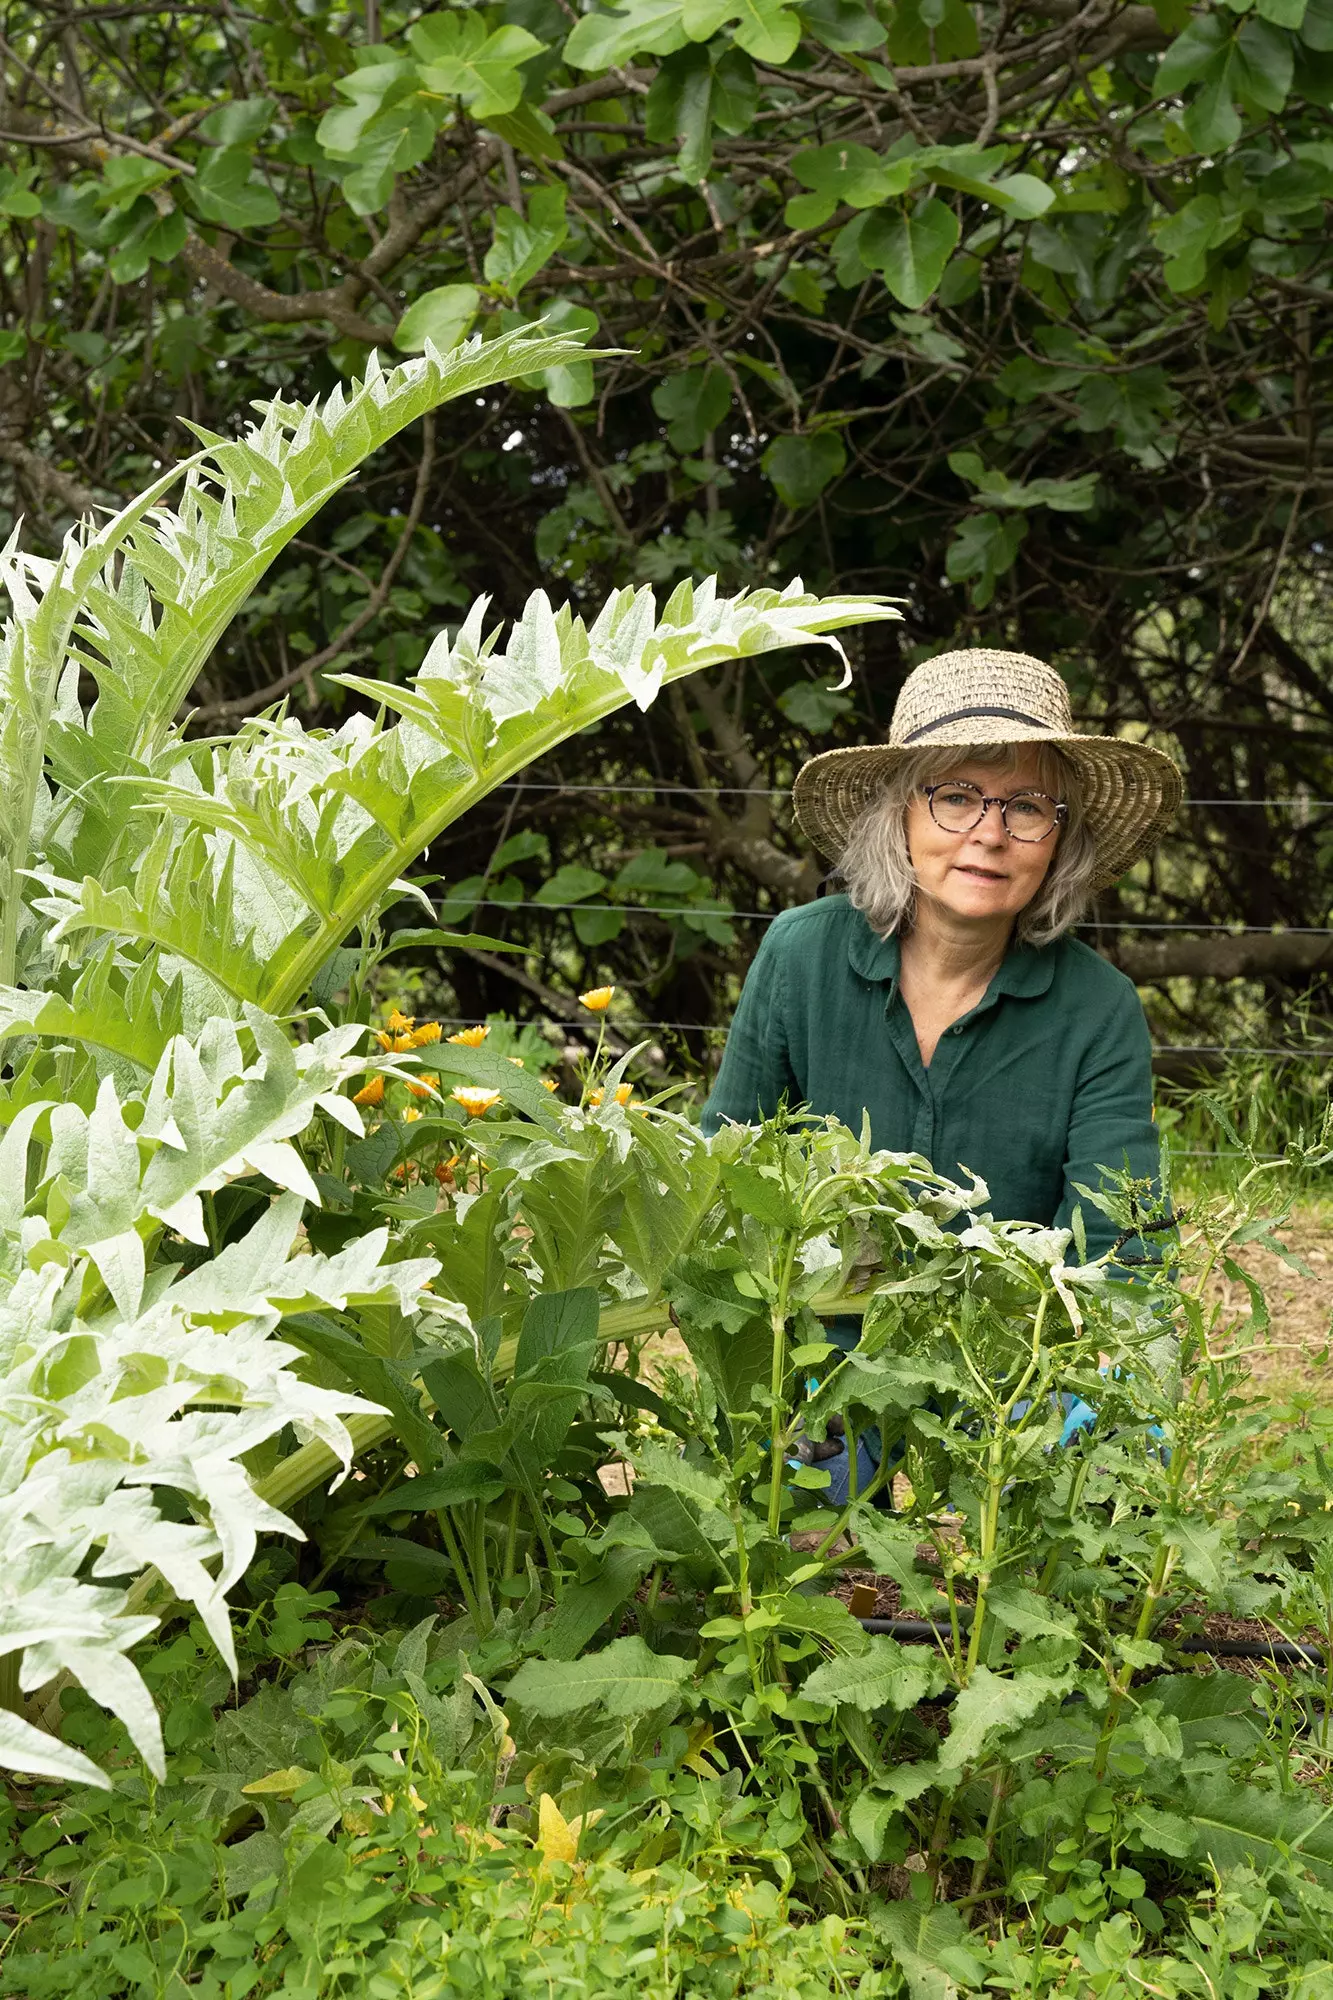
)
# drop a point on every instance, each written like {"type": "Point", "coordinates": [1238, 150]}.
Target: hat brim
{"type": "Point", "coordinates": [1131, 792]}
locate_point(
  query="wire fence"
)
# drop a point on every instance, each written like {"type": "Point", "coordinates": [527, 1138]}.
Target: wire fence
{"type": "Point", "coordinates": [458, 906]}
{"type": "Point", "coordinates": [627, 1029]}
{"type": "Point", "coordinates": [462, 904]}
{"type": "Point", "coordinates": [658, 790]}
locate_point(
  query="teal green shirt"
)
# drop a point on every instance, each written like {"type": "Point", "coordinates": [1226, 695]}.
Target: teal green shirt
{"type": "Point", "coordinates": [1046, 1082]}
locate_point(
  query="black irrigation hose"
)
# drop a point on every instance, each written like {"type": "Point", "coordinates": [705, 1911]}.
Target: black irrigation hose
{"type": "Point", "coordinates": [1282, 1652]}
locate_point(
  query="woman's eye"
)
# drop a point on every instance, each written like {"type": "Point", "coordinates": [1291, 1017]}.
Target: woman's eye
{"type": "Point", "coordinates": [1028, 808]}
{"type": "Point", "coordinates": [956, 796]}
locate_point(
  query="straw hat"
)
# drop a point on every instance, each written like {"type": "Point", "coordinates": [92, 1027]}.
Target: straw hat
{"type": "Point", "coordinates": [976, 698]}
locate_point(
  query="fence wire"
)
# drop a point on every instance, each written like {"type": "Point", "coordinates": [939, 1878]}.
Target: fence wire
{"type": "Point", "coordinates": [656, 790]}
{"type": "Point", "coordinates": [627, 1029]}
{"type": "Point", "coordinates": [463, 905]}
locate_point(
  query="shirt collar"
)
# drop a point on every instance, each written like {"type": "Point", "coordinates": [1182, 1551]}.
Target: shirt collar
{"type": "Point", "coordinates": [1025, 973]}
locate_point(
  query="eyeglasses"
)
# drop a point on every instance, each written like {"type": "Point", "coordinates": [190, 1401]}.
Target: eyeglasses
{"type": "Point", "coordinates": [957, 807]}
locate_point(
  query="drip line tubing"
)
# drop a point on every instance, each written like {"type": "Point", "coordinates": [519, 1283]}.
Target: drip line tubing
{"type": "Point", "coordinates": [1281, 1652]}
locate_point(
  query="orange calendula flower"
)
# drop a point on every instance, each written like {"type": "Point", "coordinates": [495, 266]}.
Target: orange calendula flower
{"type": "Point", "coordinates": [424, 1086]}
{"type": "Point", "coordinates": [371, 1093]}
{"type": "Point", "coordinates": [623, 1094]}
{"type": "Point", "coordinates": [598, 999]}
{"type": "Point", "coordinates": [517, 1061]}
{"type": "Point", "coordinates": [396, 1044]}
{"type": "Point", "coordinates": [444, 1170]}
{"type": "Point", "coordinates": [550, 1083]}
{"type": "Point", "coordinates": [410, 1116]}
{"type": "Point", "coordinates": [429, 1031]}
{"type": "Point", "coordinates": [475, 1102]}
{"type": "Point", "coordinates": [399, 1022]}
{"type": "Point", "coordinates": [471, 1038]}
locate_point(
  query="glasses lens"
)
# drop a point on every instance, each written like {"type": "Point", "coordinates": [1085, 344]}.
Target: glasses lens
{"type": "Point", "coordinates": [1030, 816]}
{"type": "Point", "coordinates": [956, 807]}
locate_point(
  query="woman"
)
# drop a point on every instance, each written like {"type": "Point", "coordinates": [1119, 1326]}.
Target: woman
{"type": "Point", "coordinates": [942, 993]}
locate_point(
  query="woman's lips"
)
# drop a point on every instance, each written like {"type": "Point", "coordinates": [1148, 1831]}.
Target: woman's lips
{"type": "Point", "coordinates": [982, 874]}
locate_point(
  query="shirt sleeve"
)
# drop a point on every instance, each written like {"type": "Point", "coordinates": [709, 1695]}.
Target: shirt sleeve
{"type": "Point", "coordinates": [1112, 1125]}
{"type": "Point", "coordinates": [756, 1071]}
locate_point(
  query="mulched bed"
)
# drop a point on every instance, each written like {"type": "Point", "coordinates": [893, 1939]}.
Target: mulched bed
{"type": "Point", "coordinates": [858, 1583]}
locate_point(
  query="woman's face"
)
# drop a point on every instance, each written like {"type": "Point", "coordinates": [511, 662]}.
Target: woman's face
{"type": "Point", "coordinates": [983, 874]}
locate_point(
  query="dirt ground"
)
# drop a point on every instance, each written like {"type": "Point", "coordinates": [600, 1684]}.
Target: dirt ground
{"type": "Point", "coordinates": [1289, 1358]}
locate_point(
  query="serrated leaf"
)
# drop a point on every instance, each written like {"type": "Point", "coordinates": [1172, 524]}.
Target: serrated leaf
{"type": "Point", "coordinates": [886, 1675]}
{"type": "Point", "coordinates": [625, 1680]}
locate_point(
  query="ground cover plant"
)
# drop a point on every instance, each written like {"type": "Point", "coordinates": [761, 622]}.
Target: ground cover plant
{"type": "Point", "coordinates": [561, 1684]}
{"type": "Point", "coordinates": [600, 1734]}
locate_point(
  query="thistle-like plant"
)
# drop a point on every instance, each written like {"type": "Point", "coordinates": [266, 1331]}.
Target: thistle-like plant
{"type": "Point", "coordinates": [150, 884]}
{"type": "Point", "coordinates": [122, 1375]}
{"type": "Point", "coordinates": [146, 879]}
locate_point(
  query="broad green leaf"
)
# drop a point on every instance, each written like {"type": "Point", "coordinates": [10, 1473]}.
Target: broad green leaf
{"type": "Point", "coordinates": [16, 197]}
{"type": "Point", "coordinates": [801, 467]}
{"type": "Point", "coordinates": [461, 59]}
{"type": "Point", "coordinates": [761, 1195]}
{"type": "Point", "coordinates": [442, 316]}
{"type": "Point", "coordinates": [1062, 496]}
{"type": "Point", "coordinates": [661, 1466]}
{"type": "Point", "coordinates": [1237, 1825]}
{"type": "Point", "coordinates": [887, 1675]}
{"type": "Point", "coordinates": [692, 404]}
{"type": "Point", "coordinates": [766, 29]}
{"type": "Point", "coordinates": [625, 1680]}
{"type": "Point", "coordinates": [920, 1938]}
{"type": "Point", "coordinates": [605, 39]}
{"type": "Point", "coordinates": [813, 707]}
{"type": "Point", "coordinates": [850, 173]}
{"type": "Point", "coordinates": [1031, 1616]}
{"type": "Point", "coordinates": [989, 1707]}
{"type": "Point", "coordinates": [240, 123]}
{"type": "Point", "coordinates": [1202, 1546]}
{"type": "Point", "coordinates": [225, 190]}
{"type": "Point", "coordinates": [585, 1607]}
{"type": "Point", "coordinates": [523, 244]}
{"type": "Point", "coordinates": [911, 250]}
{"type": "Point", "coordinates": [844, 25]}
{"type": "Point", "coordinates": [571, 884]}
{"type": "Point", "coordinates": [982, 551]}
{"type": "Point", "coordinates": [694, 91]}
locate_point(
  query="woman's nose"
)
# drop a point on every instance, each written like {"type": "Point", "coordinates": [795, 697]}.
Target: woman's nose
{"type": "Point", "coordinates": [991, 827]}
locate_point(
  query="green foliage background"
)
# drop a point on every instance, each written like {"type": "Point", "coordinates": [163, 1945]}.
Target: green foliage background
{"type": "Point", "coordinates": [1020, 316]}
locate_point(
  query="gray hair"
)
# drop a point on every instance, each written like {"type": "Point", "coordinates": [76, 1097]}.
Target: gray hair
{"type": "Point", "coordinates": [877, 867]}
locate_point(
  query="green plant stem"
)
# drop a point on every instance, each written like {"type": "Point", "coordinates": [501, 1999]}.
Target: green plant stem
{"type": "Point", "coordinates": [996, 1475]}
{"type": "Point", "coordinates": [465, 1584]}
{"type": "Point", "coordinates": [777, 1377]}
{"type": "Point", "coordinates": [1163, 1565]}
{"type": "Point", "coordinates": [982, 1863]}
{"type": "Point", "coordinates": [882, 1476]}
{"type": "Point", "coordinates": [746, 1601]}
{"type": "Point", "coordinates": [939, 1835]}
{"type": "Point", "coordinates": [10, 1697]}
{"type": "Point", "coordinates": [481, 1569]}
{"type": "Point", "coordinates": [511, 1537]}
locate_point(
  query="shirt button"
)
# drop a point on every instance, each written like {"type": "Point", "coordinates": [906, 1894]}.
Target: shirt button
{"type": "Point", "coordinates": [958, 1031]}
